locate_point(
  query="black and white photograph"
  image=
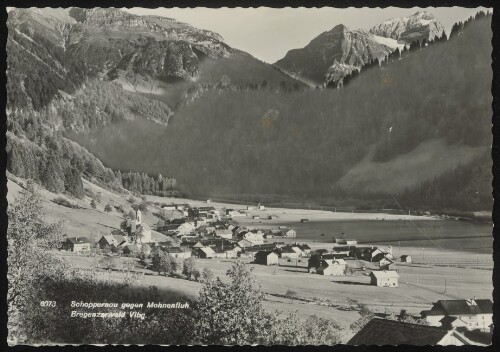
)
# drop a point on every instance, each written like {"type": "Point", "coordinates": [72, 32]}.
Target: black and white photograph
{"type": "Point", "coordinates": [249, 176]}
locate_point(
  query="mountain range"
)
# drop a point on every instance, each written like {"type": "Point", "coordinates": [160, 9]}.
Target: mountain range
{"type": "Point", "coordinates": [223, 122]}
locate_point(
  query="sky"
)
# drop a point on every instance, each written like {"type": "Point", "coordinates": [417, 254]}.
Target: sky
{"type": "Point", "coordinates": [269, 33]}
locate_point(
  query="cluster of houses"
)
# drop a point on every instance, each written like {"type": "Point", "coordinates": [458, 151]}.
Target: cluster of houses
{"type": "Point", "coordinates": [205, 232]}
{"type": "Point", "coordinates": [450, 322]}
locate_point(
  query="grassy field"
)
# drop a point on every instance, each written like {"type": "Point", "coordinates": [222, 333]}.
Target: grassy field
{"type": "Point", "coordinates": [326, 296]}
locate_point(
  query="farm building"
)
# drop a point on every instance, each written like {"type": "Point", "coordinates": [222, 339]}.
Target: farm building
{"type": "Point", "coordinates": [385, 263]}
{"type": "Point", "coordinates": [76, 244]}
{"type": "Point", "coordinates": [333, 267]}
{"type": "Point", "coordinates": [287, 252]}
{"type": "Point", "coordinates": [475, 313]}
{"type": "Point", "coordinates": [232, 252]}
{"type": "Point", "coordinates": [290, 233]}
{"type": "Point", "coordinates": [385, 278]}
{"type": "Point", "coordinates": [111, 240]}
{"type": "Point", "coordinates": [370, 253]}
{"type": "Point", "coordinates": [178, 252]}
{"type": "Point", "coordinates": [392, 332]}
{"type": "Point", "coordinates": [295, 262]}
{"type": "Point", "coordinates": [205, 253]}
{"type": "Point", "coordinates": [405, 258]}
{"type": "Point", "coordinates": [266, 258]}
{"type": "Point", "coordinates": [131, 249]}
{"type": "Point", "coordinates": [249, 253]}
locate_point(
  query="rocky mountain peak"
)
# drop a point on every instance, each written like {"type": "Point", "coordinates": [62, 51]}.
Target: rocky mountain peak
{"type": "Point", "coordinates": [334, 54]}
{"type": "Point", "coordinates": [421, 25]}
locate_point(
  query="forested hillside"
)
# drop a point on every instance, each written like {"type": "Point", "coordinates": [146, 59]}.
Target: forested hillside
{"type": "Point", "coordinates": [79, 69]}
{"type": "Point", "coordinates": [303, 143]}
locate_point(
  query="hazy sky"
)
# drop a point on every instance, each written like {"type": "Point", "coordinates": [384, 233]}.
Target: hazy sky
{"type": "Point", "coordinates": [269, 33]}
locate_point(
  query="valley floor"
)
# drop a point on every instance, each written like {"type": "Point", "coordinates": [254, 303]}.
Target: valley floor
{"type": "Point", "coordinates": [435, 274]}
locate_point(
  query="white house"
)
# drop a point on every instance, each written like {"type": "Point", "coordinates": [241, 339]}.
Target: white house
{"type": "Point", "coordinates": [474, 313]}
{"type": "Point", "coordinates": [334, 267]}
{"type": "Point", "coordinates": [385, 278]}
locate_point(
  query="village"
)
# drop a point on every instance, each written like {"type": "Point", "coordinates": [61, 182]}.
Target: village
{"type": "Point", "coordinates": [207, 234]}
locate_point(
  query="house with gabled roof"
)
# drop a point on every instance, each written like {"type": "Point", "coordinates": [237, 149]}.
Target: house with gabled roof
{"type": "Point", "coordinates": [77, 244]}
{"type": "Point", "coordinates": [476, 313]}
{"type": "Point", "coordinates": [244, 244]}
{"type": "Point", "coordinates": [224, 233]}
{"type": "Point", "coordinates": [287, 252]}
{"type": "Point", "coordinates": [109, 241]}
{"type": "Point", "coordinates": [266, 258]}
{"type": "Point", "coordinates": [204, 252]}
{"type": "Point", "coordinates": [384, 278]}
{"type": "Point", "coordinates": [131, 249]}
{"type": "Point", "coordinates": [178, 252]}
{"type": "Point", "coordinates": [333, 267]}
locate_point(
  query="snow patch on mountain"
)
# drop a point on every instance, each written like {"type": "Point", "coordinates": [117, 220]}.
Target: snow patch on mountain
{"type": "Point", "coordinates": [391, 43]}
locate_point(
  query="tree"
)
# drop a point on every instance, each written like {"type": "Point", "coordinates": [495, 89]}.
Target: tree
{"type": "Point", "coordinates": [231, 313]}
{"type": "Point", "coordinates": [92, 204]}
{"type": "Point", "coordinates": [108, 208]}
{"type": "Point", "coordinates": [188, 267]}
{"type": "Point", "coordinates": [170, 265]}
{"type": "Point", "coordinates": [53, 175]}
{"type": "Point", "coordinates": [196, 274]}
{"type": "Point", "coordinates": [131, 214]}
{"type": "Point", "coordinates": [159, 262]}
{"type": "Point", "coordinates": [29, 236]}
{"type": "Point", "coordinates": [292, 330]}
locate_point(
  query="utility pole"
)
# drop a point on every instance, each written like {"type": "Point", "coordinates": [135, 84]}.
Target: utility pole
{"type": "Point", "coordinates": [444, 285]}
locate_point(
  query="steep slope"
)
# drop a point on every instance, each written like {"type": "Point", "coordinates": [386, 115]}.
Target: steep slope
{"type": "Point", "coordinates": [421, 25]}
{"type": "Point", "coordinates": [60, 48]}
{"type": "Point", "coordinates": [410, 113]}
{"type": "Point", "coordinates": [332, 54]}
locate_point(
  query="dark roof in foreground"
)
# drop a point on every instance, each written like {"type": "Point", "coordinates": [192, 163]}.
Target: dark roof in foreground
{"type": "Point", "coordinates": [461, 307]}
{"type": "Point", "coordinates": [391, 332]}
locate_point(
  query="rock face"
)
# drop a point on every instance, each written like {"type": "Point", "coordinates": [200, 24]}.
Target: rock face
{"type": "Point", "coordinates": [333, 54]}
{"type": "Point", "coordinates": [421, 25]}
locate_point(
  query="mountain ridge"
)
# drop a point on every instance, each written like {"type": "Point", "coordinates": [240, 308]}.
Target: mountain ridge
{"type": "Point", "coordinates": [336, 53]}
